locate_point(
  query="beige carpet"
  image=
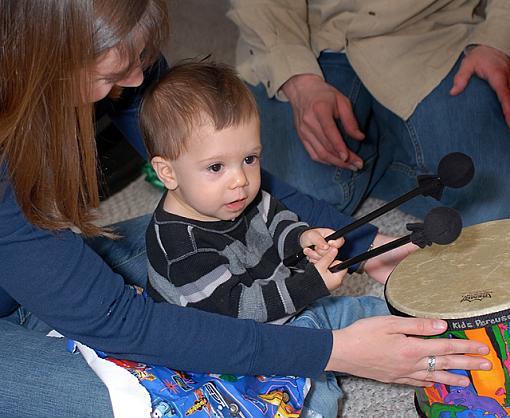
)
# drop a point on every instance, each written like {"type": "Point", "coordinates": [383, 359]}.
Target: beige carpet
{"type": "Point", "coordinates": [199, 28]}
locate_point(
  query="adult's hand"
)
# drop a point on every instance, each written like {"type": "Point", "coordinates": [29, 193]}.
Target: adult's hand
{"type": "Point", "coordinates": [490, 65]}
{"type": "Point", "coordinates": [380, 267]}
{"type": "Point", "coordinates": [385, 348]}
{"type": "Point", "coordinates": [315, 106]}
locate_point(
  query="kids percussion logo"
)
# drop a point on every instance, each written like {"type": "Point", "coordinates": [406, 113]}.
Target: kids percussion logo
{"type": "Point", "coordinates": [476, 296]}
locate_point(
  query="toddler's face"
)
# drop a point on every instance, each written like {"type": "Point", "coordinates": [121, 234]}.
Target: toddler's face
{"type": "Point", "coordinates": [219, 174]}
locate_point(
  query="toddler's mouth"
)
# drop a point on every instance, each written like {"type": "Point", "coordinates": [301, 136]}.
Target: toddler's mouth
{"type": "Point", "coordinates": [236, 205]}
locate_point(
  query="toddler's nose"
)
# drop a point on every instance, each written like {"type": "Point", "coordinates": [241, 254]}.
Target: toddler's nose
{"type": "Point", "coordinates": [239, 179]}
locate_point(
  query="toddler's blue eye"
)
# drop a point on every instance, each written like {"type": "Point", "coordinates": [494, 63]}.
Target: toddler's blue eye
{"type": "Point", "coordinates": [215, 168]}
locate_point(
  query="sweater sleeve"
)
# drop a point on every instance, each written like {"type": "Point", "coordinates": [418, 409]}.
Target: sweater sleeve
{"type": "Point", "coordinates": [207, 279]}
{"type": "Point", "coordinates": [285, 228]}
{"type": "Point", "coordinates": [319, 213]}
{"type": "Point", "coordinates": [64, 283]}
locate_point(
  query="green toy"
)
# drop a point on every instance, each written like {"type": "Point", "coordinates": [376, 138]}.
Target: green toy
{"type": "Point", "coordinates": [151, 177]}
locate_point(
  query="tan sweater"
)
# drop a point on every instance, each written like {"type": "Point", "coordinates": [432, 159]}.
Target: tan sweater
{"type": "Point", "coordinates": [400, 49]}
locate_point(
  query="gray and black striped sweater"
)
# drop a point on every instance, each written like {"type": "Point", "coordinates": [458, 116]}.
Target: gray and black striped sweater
{"type": "Point", "coordinates": [234, 267]}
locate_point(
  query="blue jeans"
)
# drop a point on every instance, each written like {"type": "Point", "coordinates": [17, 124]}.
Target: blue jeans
{"type": "Point", "coordinates": [333, 313]}
{"type": "Point", "coordinates": [48, 381]}
{"type": "Point", "coordinates": [395, 151]}
{"type": "Point", "coordinates": [42, 380]}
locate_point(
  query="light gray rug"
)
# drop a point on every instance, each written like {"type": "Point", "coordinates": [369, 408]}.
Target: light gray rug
{"type": "Point", "coordinates": [363, 398]}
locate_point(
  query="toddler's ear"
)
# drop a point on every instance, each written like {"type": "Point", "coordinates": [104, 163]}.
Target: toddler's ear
{"type": "Point", "coordinates": [165, 172]}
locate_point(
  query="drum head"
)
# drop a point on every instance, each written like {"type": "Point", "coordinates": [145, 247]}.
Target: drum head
{"type": "Point", "coordinates": [468, 278]}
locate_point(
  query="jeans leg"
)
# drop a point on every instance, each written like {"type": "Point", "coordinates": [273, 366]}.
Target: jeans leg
{"type": "Point", "coordinates": [472, 123]}
{"type": "Point", "coordinates": [41, 379]}
{"type": "Point", "coordinates": [285, 156]}
{"type": "Point", "coordinates": [126, 255]}
{"type": "Point", "coordinates": [58, 383]}
{"type": "Point", "coordinates": [334, 313]}
{"type": "Point", "coordinates": [337, 312]}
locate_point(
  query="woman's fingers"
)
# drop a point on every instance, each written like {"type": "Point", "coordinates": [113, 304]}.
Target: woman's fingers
{"type": "Point", "coordinates": [390, 349]}
{"type": "Point", "coordinates": [447, 378]}
{"type": "Point", "coordinates": [437, 369]}
{"type": "Point", "coordinates": [458, 362]}
{"type": "Point", "coordinates": [446, 346]}
{"type": "Point", "coordinates": [416, 326]}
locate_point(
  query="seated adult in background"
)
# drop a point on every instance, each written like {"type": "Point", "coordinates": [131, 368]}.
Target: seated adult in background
{"type": "Point", "coordinates": [378, 92]}
{"type": "Point", "coordinates": [57, 58]}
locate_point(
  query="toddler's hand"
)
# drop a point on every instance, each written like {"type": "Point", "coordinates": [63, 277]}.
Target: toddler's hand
{"type": "Point", "coordinates": [331, 280]}
{"type": "Point", "coordinates": [316, 237]}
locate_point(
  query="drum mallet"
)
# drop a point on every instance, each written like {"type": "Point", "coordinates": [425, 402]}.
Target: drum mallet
{"type": "Point", "coordinates": [442, 225]}
{"type": "Point", "coordinates": [455, 170]}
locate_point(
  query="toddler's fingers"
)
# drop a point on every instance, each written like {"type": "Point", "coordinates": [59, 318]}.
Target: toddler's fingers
{"type": "Point", "coordinates": [312, 255]}
{"type": "Point", "coordinates": [337, 243]}
{"type": "Point", "coordinates": [326, 260]}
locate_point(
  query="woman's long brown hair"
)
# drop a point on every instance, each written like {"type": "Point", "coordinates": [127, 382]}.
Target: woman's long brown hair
{"type": "Point", "coordinates": [46, 134]}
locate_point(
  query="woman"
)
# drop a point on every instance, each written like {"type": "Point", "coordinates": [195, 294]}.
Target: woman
{"type": "Point", "coordinates": [56, 58]}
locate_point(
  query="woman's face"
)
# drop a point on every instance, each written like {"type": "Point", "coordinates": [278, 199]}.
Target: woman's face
{"type": "Point", "coordinates": [103, 74]}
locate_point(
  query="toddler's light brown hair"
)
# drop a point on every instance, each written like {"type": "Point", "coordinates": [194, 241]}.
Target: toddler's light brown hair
{"type": "Point", "coordinates": [188, 96]}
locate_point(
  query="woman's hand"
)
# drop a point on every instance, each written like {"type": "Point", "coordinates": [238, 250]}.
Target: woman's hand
{"type": "Point", "coordinates": [380, 267]}
{"type": "Point", "coordinates": [389, 349]}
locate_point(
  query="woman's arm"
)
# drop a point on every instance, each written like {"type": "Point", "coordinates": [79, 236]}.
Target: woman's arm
{"type": "Point", "coordinates": [67, 285]}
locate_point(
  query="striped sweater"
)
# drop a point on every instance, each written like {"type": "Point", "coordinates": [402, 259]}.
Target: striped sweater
{"type": "Point", "coordinates": [234, 267]}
